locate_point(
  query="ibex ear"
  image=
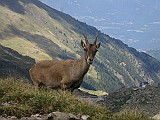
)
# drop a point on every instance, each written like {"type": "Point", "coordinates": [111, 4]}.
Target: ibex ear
{"type": "Point", "coordinates": [83, 44]}
{"type": "Point", "coordinates": [98, 45]}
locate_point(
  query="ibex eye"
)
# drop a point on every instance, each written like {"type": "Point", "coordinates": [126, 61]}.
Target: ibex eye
{"type": "Point", "coordinates": [85, 49]}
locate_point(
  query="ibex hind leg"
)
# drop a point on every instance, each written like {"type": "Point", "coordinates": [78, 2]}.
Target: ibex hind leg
{"type": "Point", "coordinates": [63, 86]}
{"type": "Point", "coordinates": [38, 84]}
{"type": "Point", "coordinates": [67, 87]}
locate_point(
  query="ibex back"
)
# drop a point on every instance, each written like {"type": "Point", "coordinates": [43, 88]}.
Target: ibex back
{"type": "Point", "coordinates": [65, 74]}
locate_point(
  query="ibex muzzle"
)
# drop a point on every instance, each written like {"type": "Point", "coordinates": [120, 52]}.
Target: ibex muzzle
{"type": "Point", "coordinates": [65, 74]}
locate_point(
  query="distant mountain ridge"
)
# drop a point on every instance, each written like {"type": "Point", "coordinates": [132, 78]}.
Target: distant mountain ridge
{"type": "Point", "coordinates": [41, 32]}
{"type": "Point", "coordinates": [154, 53]}
{"type": "Point", "coordinates": [135, 22]}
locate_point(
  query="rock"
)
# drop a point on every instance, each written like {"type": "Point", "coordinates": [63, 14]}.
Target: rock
{"type": "Point", "coordinates": [25, 118]}
{"type": "Point", "coordinates": [156, 117]}
{"type": "Point", "coordinates": [36, 117]}
{"type": "Point", "coordinates": [2, 118]}
{"type": "Point", "coordinates": [60, 116]}
{"type": "Point", "coordinates": [8, 118]}
{"type": "Point", "coordinates": [13, 118]}
{"type": "Point", "coordinates": [73, 117]}
{"type": "Point", "coordinates": [63, 116]}
{"type": "Point", "coordinates": [84, 117]}
{"type": "Point", "coordinates": [51, 116]}
{"type": "Point", "coordinates": [6, 104]}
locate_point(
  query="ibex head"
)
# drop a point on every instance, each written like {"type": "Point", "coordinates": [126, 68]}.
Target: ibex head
{"type": "Point", "coordinates": [90, 49]}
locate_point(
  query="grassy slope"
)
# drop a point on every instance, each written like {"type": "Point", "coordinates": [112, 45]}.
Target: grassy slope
{"type": "Point", "coordinates": [25, 100]}
{"type": "Point", "coordinates": [21, 99]}
{"type": "Point", "coordinates": [19, 43]}
{"type": "Point", "coordinates": [14, 64]}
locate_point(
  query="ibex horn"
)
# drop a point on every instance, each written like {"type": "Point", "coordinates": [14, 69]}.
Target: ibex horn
{"type": "Point", "coordinates": [96, 38]}
{"type": "Point", "coordinates": [85, 37]}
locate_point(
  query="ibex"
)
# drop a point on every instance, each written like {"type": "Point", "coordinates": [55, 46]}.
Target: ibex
{"type": "Point", "coordinates": [65, 74]}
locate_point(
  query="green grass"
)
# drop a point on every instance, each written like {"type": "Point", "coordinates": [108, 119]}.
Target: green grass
{"type": "Point", "coordinates": [26, 48]}
{"type": "Point", "coordinates": [131, 115]}
{"type": "Point", "coordinates": [19, 98]}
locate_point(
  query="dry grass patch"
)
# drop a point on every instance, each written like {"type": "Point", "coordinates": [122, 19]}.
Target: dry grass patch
{"type": "Point", "coordinates": [21, 99]}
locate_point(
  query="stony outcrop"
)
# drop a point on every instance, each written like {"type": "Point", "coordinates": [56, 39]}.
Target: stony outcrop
{"type": "Point", "coordinates": [51, 116]}
{"type": "Point", "coordinates": [146, 100]}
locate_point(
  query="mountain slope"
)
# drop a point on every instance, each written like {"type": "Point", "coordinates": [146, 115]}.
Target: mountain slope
{"type": "Point", "coordinates": [38, 31]}
{"type": "Point", "coordinates": [144, 99]}
{"type": "Point", "coordinates": [13, 64]}
{"type": "Point", "coordinates": [154, 52]}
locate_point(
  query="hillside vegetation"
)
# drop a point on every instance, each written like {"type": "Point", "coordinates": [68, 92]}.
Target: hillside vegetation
{"type": "Point", "coordinates": [38, 31]}
{"type": "Point", "coordinates": [20, 99]}
{"type": "Point", "coordinates": [13, 64]}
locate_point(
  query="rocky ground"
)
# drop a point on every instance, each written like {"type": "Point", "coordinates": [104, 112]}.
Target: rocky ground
{"type": "Point", "coordinates": [51, 116]}
{"type": "Point", "coordinates": [145, 100]}
{"type": "Point", "coordinates": [58, 115]}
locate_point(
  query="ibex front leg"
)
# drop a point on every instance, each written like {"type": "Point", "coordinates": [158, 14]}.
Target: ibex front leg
{"type": "Point", "coordinates": [65, 84]}
{"type": "Point", "coordinates": [76, 85]}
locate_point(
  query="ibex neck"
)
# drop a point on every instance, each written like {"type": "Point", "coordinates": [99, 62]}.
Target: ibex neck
{"type": "Point", "coordinates": [85, 65]}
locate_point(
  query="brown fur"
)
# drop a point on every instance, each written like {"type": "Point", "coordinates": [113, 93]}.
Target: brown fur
{"type": "Point", "coordinates": [65, 74]}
